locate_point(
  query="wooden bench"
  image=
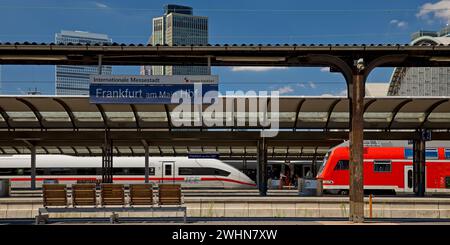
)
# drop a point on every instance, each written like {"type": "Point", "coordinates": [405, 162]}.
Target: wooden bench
{"type": "Point", "coordinates": [113, 194]}
{"type": "Point", "coordinates": [54, 195]}
{"type": "Point", "coordinates": [169, 194]}
{"type": "Point", "coordinates": [84, 195]}
{"type": "Point", "coordinates": [141, 194]}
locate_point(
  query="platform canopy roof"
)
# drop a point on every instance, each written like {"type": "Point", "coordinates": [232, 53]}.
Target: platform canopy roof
{"type": "Point", "coordinates": [309, 126]}
{"type": "Point", "coordinates": [295, 113]}
{"type": "Point", "coordinates": [393, 55]}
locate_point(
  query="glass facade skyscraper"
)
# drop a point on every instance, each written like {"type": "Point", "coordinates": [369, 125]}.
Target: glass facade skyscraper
{"type": "Point", "coordinates": [423, 81]}
{"type": "Point", "coordinates": [74, 80]}
{"type": "Point", "coordinates": [178, 26]}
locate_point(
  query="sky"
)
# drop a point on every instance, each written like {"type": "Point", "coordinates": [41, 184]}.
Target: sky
{"type": "Point", "coordinates": [231, 21]}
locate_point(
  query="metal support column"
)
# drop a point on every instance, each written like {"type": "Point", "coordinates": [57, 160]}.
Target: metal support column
{"type": "Point", "coordinates": [100, 65]}
{"type": "Point", "coordinates": [33, 167]}
{"type": "Point", "coordinates": [313, 166]}
{"type": "Point", "coordinates": [107, 159]}
{"type": "Point", "coordinates": [261, 169]}
{"type": "Point", "coordinates": [356, 137]}
{"type": "Point", "coordinates": [419, 163]}
{"type": "Point", "coordinates": [416, 156]}
{"type": "Point", "coordinates": [147, 170]}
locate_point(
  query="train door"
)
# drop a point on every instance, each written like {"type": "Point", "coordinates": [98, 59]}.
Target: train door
{"type": "Point", "coordinates": [409, 178]}
{"type": "Point", "coordinates": [168, 172]}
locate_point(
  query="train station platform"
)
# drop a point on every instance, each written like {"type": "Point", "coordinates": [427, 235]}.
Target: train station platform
{"type": "Point", "coordinates": [261, 207]}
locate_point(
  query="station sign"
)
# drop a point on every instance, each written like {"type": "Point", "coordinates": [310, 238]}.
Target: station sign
{"type": "Point", "coordinates": [111, 89]}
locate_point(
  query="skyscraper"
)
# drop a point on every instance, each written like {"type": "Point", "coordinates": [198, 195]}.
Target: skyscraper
{"type": "Point", "coordinates": [423, 81]}
{"type": "Point", "coordinates": [74, 80]}
{"type": "Point", "coordinates": [178, 26]}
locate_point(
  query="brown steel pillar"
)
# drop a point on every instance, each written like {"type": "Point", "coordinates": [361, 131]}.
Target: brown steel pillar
{"type": "Point", "coordinates": [419, 150]}
{"type": "Point", "coordinates": [356, 191]}
{"type": "Point", "coordinates": [421, 168]}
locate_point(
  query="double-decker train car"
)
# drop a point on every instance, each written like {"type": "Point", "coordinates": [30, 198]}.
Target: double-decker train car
{"type": "Point", "coordinates": [202, 173]}
{"type": "Point", "coordinates": [386, 169]}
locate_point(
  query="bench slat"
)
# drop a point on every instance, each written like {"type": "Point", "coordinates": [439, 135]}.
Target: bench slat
{"type": "Point", "coordinates": [84, 195]}
{"type": "Point", "coordinates": [113, 194]}
{"type": "Point", "coordinates": [54, 195]}
{"type": "Point", "coordinates": [141, 194]}
{"type": "Point", "coordinates": [170, 194]}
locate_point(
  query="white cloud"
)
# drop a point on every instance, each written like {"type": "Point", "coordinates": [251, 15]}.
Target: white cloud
{"type": "Point", "coordinates": [301, 85]}
{"type": "Point", "coordinates": [440, 10]}
{"type": "Point", "coordinates": [340, 93]}
{"type": "Point", "coordinates": [101, 5]}
{"type": "Point", "coordinates": [398, 23]}
{"type": "Point", "coordinates": [393, 22]}
{"type": "Point", "coordinates": [257, 68]}
{"type": "Point", "coordinates": [343, 93]}
{"type": "Point", "coordinates": [312, 84]}
{"type": "Point", "coordinates": [402, 24]}
{"type": "Point", "coordinates": [325, 69]}
{"type": "Point", "coordinates": [285, 90]}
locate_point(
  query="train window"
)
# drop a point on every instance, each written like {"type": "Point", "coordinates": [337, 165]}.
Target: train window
{"type": "Point", "coordinates": [132, 171]}
{"type": "Point", "coordinates": [382, 166]}
{"type": "Point", "coordinates": [409, 153]}
{"type": "Point", "coordinates": [61, 171]}
{"type": "Point", "coordinates": [202, 171]}
{"type": "Point", "coordinates": [431, 153]}
{"type": "Point", "coordinates": [8, 171]}
{"type": "Point", "coordinates": [220, 172]}
{"type": "Point", "coordinates": [447, 182]}
{"type": "Point", "coordinates": [447, 153]}
{"type": "Point", "coordinates": [168, 169]}
{"type": "Point", "coordinates": [136, 171]}
{"type": "Point", "coordinates": [20, 171]}
{"type": "Point", "coordinates": [342, 165]}
{"type": "Point", "coordinates": [85, 171]}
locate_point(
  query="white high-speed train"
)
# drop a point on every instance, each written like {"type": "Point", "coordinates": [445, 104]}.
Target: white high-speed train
{"type": "Point", "coordinates": [204, 173]}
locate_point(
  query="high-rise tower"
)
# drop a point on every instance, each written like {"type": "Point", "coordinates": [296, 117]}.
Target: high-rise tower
{"type": "Point", "coordinates": [74, 80]}
{"type": "Point", "coordinates": [178, 26]}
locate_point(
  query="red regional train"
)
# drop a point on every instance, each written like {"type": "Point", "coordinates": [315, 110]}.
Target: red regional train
{"type": "Point", "coordinates": [388, 169]}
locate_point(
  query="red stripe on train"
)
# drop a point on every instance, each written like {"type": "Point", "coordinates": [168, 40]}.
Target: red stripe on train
{"type": "Point", "coordinates": [137, 179]}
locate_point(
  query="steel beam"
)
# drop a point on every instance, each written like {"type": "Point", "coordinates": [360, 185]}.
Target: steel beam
{"type": "Point", "coordinates": [35, 111]}
{"type": "Point", "coordinates": [68, 111]}
{"type": "Point", "coordinates": [5, 118]}
{"type": "Point", "coordinates": [136, 117]}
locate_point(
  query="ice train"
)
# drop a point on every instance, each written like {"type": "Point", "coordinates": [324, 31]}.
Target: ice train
{"type": "Point", "coordinates": [189, 172]}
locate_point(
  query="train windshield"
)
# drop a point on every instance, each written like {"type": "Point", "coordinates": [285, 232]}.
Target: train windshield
{"type": "Point", "coordinates": [325, 160]}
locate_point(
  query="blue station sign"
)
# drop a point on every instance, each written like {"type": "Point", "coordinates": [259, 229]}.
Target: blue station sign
{"type": "Point", "coordinates": [152, 89]}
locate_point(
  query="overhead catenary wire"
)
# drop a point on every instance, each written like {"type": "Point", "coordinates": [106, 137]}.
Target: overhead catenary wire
{"type": "Point", "coordinates": [229, 10]}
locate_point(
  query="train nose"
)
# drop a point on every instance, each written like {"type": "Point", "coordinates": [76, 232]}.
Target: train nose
{"type": "Point", "coordinates": [247, 180]}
